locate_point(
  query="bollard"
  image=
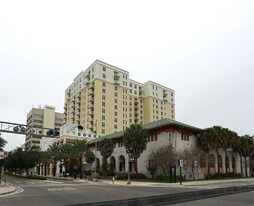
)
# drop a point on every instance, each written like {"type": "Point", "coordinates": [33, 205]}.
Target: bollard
{"type": "Point", "coordinates": [113, 180]}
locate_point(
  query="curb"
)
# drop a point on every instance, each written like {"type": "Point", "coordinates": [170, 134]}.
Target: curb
{"type": "Point", "coordinates": [7, 189]}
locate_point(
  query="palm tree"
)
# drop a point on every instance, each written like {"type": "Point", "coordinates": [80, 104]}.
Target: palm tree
{"type": "Point", "coordinates": [54, 156]}
{"type": "Point", "coordinates": [2, 143]}
{"type": "Point", "coordinates": [217, 133]}
{"type": "Point", "coordinates": [204, 143]}
{"type": "Point", "coordinates": [226, 142]}
{"type": "Point", "coordinates": [90, 158]}
{"type": "Point", "coordinates": [247, 146]}
{"type": "Point", "coordinates": [135, 139]}
{"type": "Point", "coordinates": [80, 148]}
{"type": "Point", "coordinates": [43, 161]}
{"type": "Point", "coordinates": [106, 148]}
{"type": "Point", "coordinates": [66, 154]}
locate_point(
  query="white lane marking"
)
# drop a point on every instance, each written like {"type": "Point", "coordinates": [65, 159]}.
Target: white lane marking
{"type": "Point", "coordinates": [61, 189]}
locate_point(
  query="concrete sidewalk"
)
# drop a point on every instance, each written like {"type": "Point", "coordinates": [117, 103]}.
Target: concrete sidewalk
{"type": "Point", "coordinates": [5, 188]}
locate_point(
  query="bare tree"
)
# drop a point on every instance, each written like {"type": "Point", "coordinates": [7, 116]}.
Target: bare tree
{"type": "Point", "coordinates": [192, 156]}
{"type": "Point", "coordinates": [163, 157]}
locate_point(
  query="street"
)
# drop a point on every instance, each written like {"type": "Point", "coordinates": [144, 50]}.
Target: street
{"type": "Point", "coordinates": [246, 199]}
{"type": "Point", "coordinates": [36, 192]}
{"type": "Point", "coordinates": [55, 192]}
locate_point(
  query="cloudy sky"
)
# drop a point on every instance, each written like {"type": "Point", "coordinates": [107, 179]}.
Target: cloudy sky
{"type": "Point", "coordinates": [201, 49]}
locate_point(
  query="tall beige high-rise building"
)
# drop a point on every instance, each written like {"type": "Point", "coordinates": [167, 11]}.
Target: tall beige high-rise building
{"type": "Point", "coordinates": [103, 99]}
{"type": "Point", "coordinates": [41, 118]}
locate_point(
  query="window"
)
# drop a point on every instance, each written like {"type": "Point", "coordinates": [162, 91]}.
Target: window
{"type": "Point", "coordinates": [130, 103]}
{"type": "Point", "coordinates": [103, 131]}
{"type": "Point", "coordinates": [103, 97]}
{"type": "Point", "coordinates": [115, 100]}
{"type": "Point", "coordinates": [130, 90]}
{"type": "Point", "coordinates": [115, 94]}
{"type": "Point", "coordinates": [130, 84]}
{"type": "Point", "coordinates": [103, 104]}
{"type": "Point", "coordinates": [103, 110]}
{"type": "Point", "coordinates": [155, 137]}
{"type": "Point", "coordinates": [115, 113]}
{"type": "Point", "coordinates": [115, 106]}
{"type": "Point", "coordinates": [104, 76]}
{"type": "Point", "coordinates": [103, 124]}
{"type": "Point", "coordinates": [103, 84]}
{"type": "Point", "coordinates": [104, 69]}
{"type": "Point", "coordinates": [116, 87]}
{"type": "Point", "coordinates": [135, 92]}
{"type": "Point", "coordinates": [103, 90]}
{"type": "Point", "coordinates": [115, 126]}
{"type": "Point", "coordinates": [130, 120]}
{"type": "Point", "coordinates": [103, 117]}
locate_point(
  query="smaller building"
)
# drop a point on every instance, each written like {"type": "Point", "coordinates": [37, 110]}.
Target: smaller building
{"type": "Point", "coordinates": [68, 134]}
{"type": "Point", "coordinates": [41, 118]}
{"type": "Point", "coordinates": [161, 133]}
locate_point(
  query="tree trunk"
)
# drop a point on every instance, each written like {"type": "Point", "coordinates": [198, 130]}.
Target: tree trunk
{"type": "Point", "coordinates": [105, 167]}
{"type": "Point", "coordinates": [208, 165]}
{"type": "Point", "coordinates": [226, 162]}
{"type": "Point", "coordinates": [245, 162]}
{"type": "Point", "coordinates": [81, 168]}
{"type": "Point", "coordinates": [136, 166]}
{"type": "Point", "coordinates": [218, 164]}
{"type": "Point", "coordinates": [241, 162]}
{"type": "Point", "coordinates": [45, 168]}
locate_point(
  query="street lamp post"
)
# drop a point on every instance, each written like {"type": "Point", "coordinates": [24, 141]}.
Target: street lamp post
{"type": "Point", "coordinates": [129, 151]}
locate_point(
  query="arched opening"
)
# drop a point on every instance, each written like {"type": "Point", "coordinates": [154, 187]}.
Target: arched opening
{"type": "Point", "coordinates": [112, 164]}
{"type": "Point", "coordinates": [97, 164]}
{"type": "Point", "coordinates": [212, 164]}
{"type": "Point", "coordinates": [220, 164]}
{"type": "Point", "coordinates": [203, 164]}
{"type": "Point", "coordinates": [227, 164]}
{"type": "Point", "coordinates": [233, 164]}
{"type": "Point", "coordinates": [121, 161]}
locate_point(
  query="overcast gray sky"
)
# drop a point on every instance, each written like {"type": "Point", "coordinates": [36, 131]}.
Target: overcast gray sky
{"type": "Point", "coordinates": [201, 49]}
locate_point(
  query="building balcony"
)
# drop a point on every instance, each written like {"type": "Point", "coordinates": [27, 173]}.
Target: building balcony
{"type": "Point", "coordinates": [91, 113]}
{"type": "Point", "coordinates": [90, 99]}
{"type": "Point", "coordinates": [91, 87]}
{"type": "Point", "coordinates": [117, 82]}
{"type": "Point", "coordinates": [90, 105]}
{"type": "Point", "coordinates": [116, 75]}
{"type": "Point", "coordinates": [90, 119]}
{"type": "Point", "coordinates": [91, 93]}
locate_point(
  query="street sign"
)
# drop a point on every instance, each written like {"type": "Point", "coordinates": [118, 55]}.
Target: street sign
{"type": "Point", "coordinates": [180, 163]}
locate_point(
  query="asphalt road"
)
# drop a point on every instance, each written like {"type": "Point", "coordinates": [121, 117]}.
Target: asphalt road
{"type": "Point", "coordinates": [69, 193]}
{"type": "Point", "coordinates": [52, 193]}
{"type": "Point", "coordinates": [242, 199]}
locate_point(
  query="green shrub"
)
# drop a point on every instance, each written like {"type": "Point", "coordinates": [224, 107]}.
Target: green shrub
{"type": "Point", "coordinates": [224, 175]}
{"type": "Point", "coordinates": [124, 176]}
{"type": "Point", "coordinates": [36, 177]}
